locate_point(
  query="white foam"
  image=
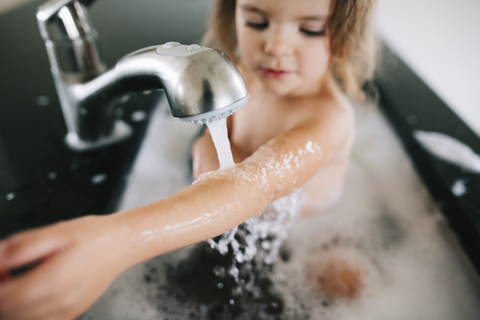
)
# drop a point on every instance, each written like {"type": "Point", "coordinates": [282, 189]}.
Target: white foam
{"type": "Point", "coordinates": [449, 149]}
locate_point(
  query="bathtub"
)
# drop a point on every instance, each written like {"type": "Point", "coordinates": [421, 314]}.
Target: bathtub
{"type": "Point", "coordinates": [397, 214]}
{"type": "Point", "coordinates": [387, 218]}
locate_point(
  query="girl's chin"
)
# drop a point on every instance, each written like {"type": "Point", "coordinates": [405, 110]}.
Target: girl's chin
{"type": "Point", "coordinates": [278, 88]}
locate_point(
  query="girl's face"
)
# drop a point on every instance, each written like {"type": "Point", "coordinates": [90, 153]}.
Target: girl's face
{"type": "Point", "coordinates": [284, 43]}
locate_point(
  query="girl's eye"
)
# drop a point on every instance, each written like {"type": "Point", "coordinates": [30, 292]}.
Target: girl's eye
{"type": "Point", "coordinates": [313, 33]}
{"type": "Point", "coordinates": [257, 26]}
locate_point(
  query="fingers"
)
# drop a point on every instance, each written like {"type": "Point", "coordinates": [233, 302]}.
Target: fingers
{"type": "Point", "coordinates": [39, 292]}
{"type": "Point", "coordinates": [28, 247]}
{"type": "Point", "coordinates": [68, 279]}
{"type": "Point", "coordinates": [19, 294]}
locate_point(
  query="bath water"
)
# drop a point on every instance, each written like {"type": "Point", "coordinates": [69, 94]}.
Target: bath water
{"type": "Point", "coordinates": [385, 222]}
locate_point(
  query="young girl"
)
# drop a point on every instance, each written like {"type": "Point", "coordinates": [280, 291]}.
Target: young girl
{"type": "Point", "coordinates": [300, 59]}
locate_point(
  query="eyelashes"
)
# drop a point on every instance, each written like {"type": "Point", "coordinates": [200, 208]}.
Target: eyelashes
{"type": "Point", "coordinates": [313, 33]}
{"type": "Point", "coordinates": [264, 25]}
{"type": "Point", "coordinates": [257, 26]}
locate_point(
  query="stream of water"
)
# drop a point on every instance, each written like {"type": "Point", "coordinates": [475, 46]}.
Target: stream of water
{"type": "Point", "coordinates": [218, 131]}
{"type": "Point", "coordinates": [253, 245]}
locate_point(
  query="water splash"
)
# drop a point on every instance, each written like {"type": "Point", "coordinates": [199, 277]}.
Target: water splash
{"type": "Point", "coordinates": [259, 237]}
{"type": "Point", "coordinates": [268, 230]}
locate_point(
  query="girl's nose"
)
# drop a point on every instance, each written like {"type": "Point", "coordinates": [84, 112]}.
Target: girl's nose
{"type": "Point", "coordinates": [278, 45]}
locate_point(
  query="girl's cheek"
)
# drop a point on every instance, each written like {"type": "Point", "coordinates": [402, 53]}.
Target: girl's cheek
{"type": "Point", "coordinates": [247, 51]}
{"type": "Point", "coordinates": [315, 67]}
{"type": "Point", "coordinates": [316, 60]}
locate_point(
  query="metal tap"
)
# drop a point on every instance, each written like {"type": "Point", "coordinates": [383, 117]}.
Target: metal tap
{"type": "Point", "coordinates": [201, 84]}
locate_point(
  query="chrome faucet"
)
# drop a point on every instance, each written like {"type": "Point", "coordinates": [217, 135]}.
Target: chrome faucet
{"type": "Point", "coordinates": [201, 84]}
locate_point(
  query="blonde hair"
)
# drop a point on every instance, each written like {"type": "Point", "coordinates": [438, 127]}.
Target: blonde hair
{"type": "Point", "coordinates": [353, 41]}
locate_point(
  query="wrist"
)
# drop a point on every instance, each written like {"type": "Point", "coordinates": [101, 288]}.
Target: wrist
{"type": "Point", "coordinates": [134, 235]}
{"type": "Point", "coordinates": [114, 235]}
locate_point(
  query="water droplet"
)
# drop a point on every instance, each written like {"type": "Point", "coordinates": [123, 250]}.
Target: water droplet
{"type": "Point", "coordinates": [42, 101]}
{"type": "Point", "coordinates": [231, 301]}
{"type": "Point", "coordinates": [118, 112]}
{"type": "Point", "coordinates": [459, 188]}
{"type": "Point", "coordinates": [99, 178]}
{"type": "Point", "coordinates": [10, 196]}
{"type": "Point", "coordinates": [82, 111]}
{"type": "Point", "coordinates": [138, 115]}
{"type": "Point", "coordinates": [147, 92]}
{"type": "Point", "coordinates": [167, 227]}
{"type": "Point", "coordinates": [124, 99]}
{"type": "Point", "coordinates": [52, 175]}
{"type": "Point", "coordinates": [74, 166]}
{"type": "Point", "coordinates": [220, 285]}
{"type": "Point", "coordinates": [412, 119]}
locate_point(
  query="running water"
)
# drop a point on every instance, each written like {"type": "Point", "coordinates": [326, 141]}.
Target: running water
{"type": "Point", "coordinates": [256, 243]}
{"type": "Point", "coordinates": [218, 130]}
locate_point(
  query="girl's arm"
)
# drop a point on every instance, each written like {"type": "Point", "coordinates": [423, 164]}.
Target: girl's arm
{"type": "Point", "coordinates": [221, 200]}
{"type": "Point", "coordinates": [81, 257]}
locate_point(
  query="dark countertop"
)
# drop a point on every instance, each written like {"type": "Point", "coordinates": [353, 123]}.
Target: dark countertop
{"type": "Point", "coordinates": [41, 180]}
{"type": "Point", "coordinates": [409, 104]}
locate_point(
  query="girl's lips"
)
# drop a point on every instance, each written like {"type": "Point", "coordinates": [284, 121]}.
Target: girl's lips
{"type": "Point", "coordinates": [274, 74]}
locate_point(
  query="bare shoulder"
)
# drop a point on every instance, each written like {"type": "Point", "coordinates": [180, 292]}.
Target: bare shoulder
{"type": "Point", "coordinates": [334, 104]}
{"type": "Point", "coordinates": [331, 116]}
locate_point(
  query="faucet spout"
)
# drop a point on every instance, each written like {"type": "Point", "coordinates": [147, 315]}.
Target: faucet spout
{"type": "Point", "coordinates": [201, 84]}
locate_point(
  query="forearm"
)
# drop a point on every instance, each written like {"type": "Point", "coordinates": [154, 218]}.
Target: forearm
{"type": "Point", "coordinates": [203, 210]}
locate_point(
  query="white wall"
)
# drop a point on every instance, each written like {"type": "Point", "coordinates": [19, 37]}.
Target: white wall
{"type": "Point", "coordinates": [440, 41]}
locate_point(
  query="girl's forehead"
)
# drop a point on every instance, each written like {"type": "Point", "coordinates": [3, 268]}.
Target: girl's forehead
{"type": "Point", "coordinates": [292, 8]}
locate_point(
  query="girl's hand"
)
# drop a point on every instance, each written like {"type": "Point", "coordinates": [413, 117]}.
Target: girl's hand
{"type": "Point", "coordinates": [76, 261]}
